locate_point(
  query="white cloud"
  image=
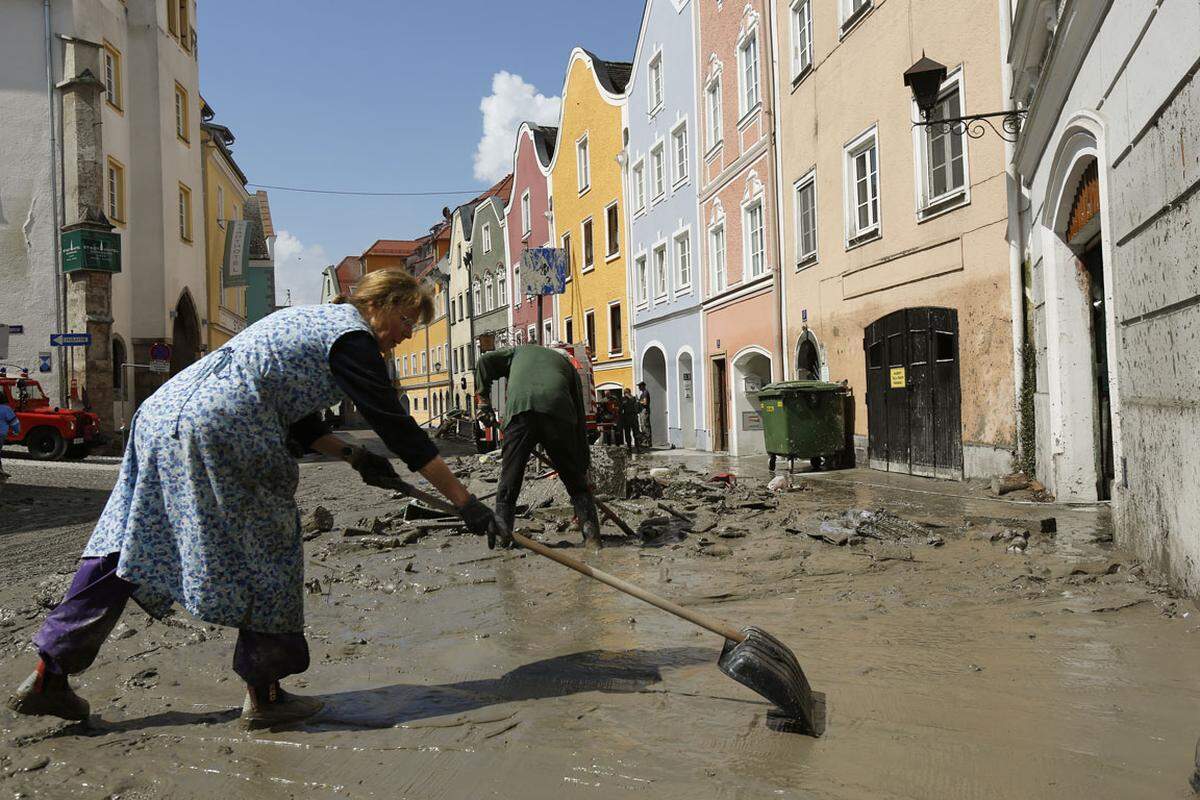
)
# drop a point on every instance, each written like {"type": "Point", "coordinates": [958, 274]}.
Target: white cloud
{"type": "Point", "coordinates": [511, 102]}
{"type": "Point", "coordinates": [298, 267]}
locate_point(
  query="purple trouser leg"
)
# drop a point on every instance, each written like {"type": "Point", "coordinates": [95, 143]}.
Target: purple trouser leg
{"type": "Point", "coordinates": [75, 630]}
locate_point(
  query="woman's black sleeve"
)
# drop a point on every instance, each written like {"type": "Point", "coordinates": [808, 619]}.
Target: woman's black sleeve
{"type": "Point", "coordinates": [359, 371]}
{"type": "Point", "coordinates": [308, 429]}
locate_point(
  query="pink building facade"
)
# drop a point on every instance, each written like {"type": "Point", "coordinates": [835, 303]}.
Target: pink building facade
{"type": "Point", "coordinates": [738, 217]}
{"type": "Point", "coordinates": [529, 226]}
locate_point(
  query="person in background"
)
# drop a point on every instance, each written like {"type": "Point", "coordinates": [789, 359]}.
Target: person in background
{"type": "Point", "coordinates": [643, 401]}
{"type": "Point", "coordinates": [545, 407]}
{"type": "Point", "coordinates": [8, 424]}
{"type": "Point", "coordinates": [204, 510]}
{"type": "Point", "coordinates": [629, 421]}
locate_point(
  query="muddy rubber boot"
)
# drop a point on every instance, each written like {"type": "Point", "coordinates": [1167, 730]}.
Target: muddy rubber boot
{"type": "Point", "coordinates": [267, 706]}
{"type": "Point", "coordinates": [585, 512]}
{"type": "Point", "coordinates": [507, 514]}
{"type": "Point", "coordinates": [45, 694]}
{"type": "Point", "coordinates": [1196, 774]}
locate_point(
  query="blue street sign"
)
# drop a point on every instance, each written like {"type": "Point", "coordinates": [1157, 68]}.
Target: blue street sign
{"type": "Point", "coordinates": [43, 362]}
{"type": "Point", "coordinates": [70, 339]}
{"type": "Point", "coordinates": [16, 329]}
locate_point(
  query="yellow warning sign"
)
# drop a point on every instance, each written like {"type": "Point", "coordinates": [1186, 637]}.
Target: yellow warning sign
{"type": "Point", "coordinates": [898, 381]}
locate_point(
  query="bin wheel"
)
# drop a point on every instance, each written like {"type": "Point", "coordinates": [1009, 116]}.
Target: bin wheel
{"type": "Point", "coordinates": [817, 463]}
{"type": "Point", "coordinates": [771, 463]}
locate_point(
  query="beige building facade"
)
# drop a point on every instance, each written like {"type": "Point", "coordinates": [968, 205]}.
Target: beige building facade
{"type": "Point", "coordinates": [896, 262]}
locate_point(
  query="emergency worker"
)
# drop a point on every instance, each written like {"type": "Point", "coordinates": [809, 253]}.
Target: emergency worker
{"type": "Point", "coordinates": [545, 407]}
{"type": "Point", "coordinates": [204, 511]}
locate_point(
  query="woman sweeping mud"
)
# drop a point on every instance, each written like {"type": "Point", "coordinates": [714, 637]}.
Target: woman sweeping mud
{"type": "Point", "coordinates": [204, 511]}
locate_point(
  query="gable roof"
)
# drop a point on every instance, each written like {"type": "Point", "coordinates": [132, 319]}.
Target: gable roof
{"type": "Point", "coordinates": [545, 139]}
{"type": "Point", "coordinates": [392, 247]}
{"type": "Point", "coordinates": [264, 210]}
{"type": "Point", "coordinates": [613, 75]}
{"type": "Point", "coordinates": [348, 272]}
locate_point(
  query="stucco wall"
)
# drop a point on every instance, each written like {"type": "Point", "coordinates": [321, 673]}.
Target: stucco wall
{"type": "Point", "coordinates": [587, 111]}
{"type": "Point", "coordinates": [460, 332]}
{"type": "Point", "coordinates": [527, 176]}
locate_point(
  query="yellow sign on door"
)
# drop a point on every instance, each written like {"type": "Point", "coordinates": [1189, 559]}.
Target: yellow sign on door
{"type": "Point", "coordinates": [898, 381]}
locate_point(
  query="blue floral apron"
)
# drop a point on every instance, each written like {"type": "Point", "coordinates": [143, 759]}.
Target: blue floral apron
{"type": "Point", "coordinates": [204, 511]}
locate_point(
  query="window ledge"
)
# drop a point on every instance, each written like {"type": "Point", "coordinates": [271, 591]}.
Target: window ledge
{"type": "Point", "coordinates": [641, 212]}
{"type": "Point", "coordinates": [851, 22]}
{"type": "Point", "coordinates": [864, 238]}
{"type": "Point", "coordinates": [712, 151]}
{"type": "Point", "coordinates": [680, 183]}
{"type": "Point", "coordinates": [744, 120]}
{"type": "Point", "coordinates": [585, 190]}
{"type": "Point", "coordinates": [658, 198]}
{"type": "Point", "coordinates": [943, 206]}
{"type": "Point", "coordinates": [806, 262]}
{"type": "Point", "coordinates": [799, 78]}
{"type": "Point", "coordinates": [185, 141]}
{"type": "Point", "coordinates": [586, 270]}
{"type": "Point", "coordinates": [654, 112]}
{"type": "Point", "coordinates": [114, 106]}
{"type": "Point", "coordinates": [612, 256]}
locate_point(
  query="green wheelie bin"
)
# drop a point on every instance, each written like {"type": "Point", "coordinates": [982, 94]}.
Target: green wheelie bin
{"type": "Point", "coordinates": [805, 419]}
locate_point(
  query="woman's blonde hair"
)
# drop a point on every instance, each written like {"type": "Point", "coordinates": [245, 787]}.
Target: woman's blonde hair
{"type": "Point", "coordinates": [390, 288]}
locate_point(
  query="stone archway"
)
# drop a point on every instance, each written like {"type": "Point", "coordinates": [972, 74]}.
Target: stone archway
{"type": "Point", "coordinates": [751, 372]}
{"type": "Point", "coordinates": [686, 399]}
{"type": "Point", "coordinates": [185, 334]}
{"type": "Point", "coordinates": [654, 373]}
{"type": "Point", "coordinates": [808, 358]}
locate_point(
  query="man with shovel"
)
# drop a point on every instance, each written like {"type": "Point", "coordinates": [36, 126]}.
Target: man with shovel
{"type": "Point", "coordinates": [545, 407]}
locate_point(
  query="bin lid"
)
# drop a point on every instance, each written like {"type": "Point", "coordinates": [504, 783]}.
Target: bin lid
{"type": "Point", "coordinates": [795, 387]}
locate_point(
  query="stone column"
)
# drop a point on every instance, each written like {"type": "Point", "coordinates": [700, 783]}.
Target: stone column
{"type": "Point", "coordinates": [89, 292]}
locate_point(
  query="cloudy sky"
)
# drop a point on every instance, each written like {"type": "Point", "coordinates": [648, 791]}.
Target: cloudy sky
{"type": "Point", "coordinates": [384, 96]}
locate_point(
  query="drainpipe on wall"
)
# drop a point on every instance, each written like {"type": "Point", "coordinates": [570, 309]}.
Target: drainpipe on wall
{"type": "Point", "coordinates": [60, 288]}
{"type": "Point", "coordinates": [777, 169]}
{"type": "Point", "coordinates": [1016, 268]}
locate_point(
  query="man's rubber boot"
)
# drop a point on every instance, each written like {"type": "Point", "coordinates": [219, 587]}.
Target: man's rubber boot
{"type": "Point", "coordinates": [507, 514]}
{"type": "Point", "coordinates": [585, 512]}
{"type": "Point", "coordinates": [1196, 774]}
{"type": "Point", "coordinates": [269, 705]}
{"type": "Point", "coordinates": [45, 694]}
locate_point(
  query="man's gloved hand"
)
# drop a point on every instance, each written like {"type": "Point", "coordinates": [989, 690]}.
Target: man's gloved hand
{"type": "Point", "coordinates": [374, 469]}
{"type": "Point", "coordinates": [481, 521]}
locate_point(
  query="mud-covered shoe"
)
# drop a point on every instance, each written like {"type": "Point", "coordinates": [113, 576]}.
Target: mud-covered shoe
{"type": "Point", "coordinates": [267, 706]}
{"type": "Point", "coordinates": [45, 694]}
{"type": "Point", "coordinates": [1196, 774]}
{"type": "Point", "coordinates": [585, 511]}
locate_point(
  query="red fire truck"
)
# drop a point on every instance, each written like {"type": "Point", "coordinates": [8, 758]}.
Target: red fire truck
{"type": "Point", "coordinates": [49, 433]}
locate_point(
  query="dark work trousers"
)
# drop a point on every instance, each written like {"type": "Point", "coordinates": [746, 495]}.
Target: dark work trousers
{"type": "Point", "coordinates": [629, 434]}
{"type": "Point", "coordinates": [74, 631]}
{"type": "Point", "coordinates": [563, 446]}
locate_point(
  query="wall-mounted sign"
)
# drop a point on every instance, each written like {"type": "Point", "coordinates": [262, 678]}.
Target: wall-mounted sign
{"type": "Point", "coordinates": [753, 383]}
{"type": "Point", "coordinates": [85, 249]}
{"type": "Point", "coordinates": [237, 253]}
{"type": "Point", "coordinates": [897, 376]}
{"type": "Point", "coordinates": [751, 421]}
{"type": "Point", "coordinates": [16, 330]}
{"type": "Point", "coordinates": [70, 339]}
{"type": "Point", "coordinates": [43, 361]}
{"type": "Point", "coordinates": [157, 365]}
{"type": "Point", "coordinates": [160, 352]}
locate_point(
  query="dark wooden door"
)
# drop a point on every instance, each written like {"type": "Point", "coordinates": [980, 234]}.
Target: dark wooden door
{"type": "Point", "coordinates": [914, 420]}
{"type": "Point", "coordinates": [720, 407]}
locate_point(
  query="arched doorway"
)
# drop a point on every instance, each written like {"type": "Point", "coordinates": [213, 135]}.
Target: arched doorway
{"type": "Point", "coordinates": [808, 358]}
{"type": "Point", "coordinates": [654, 373]}
{"type": "Point", "coordinates": [687, 400]}
{"type": "Point", "coordinates": [185, 334]}
{"type": "Point", "coordinates": [751, 372]}
{"type": "Point", "coordinates": [914, 414]}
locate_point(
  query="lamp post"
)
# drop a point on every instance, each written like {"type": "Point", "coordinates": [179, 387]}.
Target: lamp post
{"type": "Point", "coordinates": [925, 78]}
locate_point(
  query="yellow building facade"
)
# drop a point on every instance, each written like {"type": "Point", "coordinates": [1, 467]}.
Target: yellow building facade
{"type": "Point", "coordinates": [225, 197]}
{"type": "Point", "coordinates": [422, 363]}
{"type": "Point", "coordinates": [588, 215]}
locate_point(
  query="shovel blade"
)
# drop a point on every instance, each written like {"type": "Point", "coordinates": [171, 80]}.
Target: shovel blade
{"type": "Point", "coordinates": [765, 665]}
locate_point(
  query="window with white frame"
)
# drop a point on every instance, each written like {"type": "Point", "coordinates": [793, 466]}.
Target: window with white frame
{"type": "Point", "coordinates": [569, 330]}
{"type": "Point", "coordinates": [518, 296]}
{"type": "Point", "coordinates": [531, 334]}
{"type": "Point", "coordinates": [852, 11]}
{"type": "Point", "coordinates": [755, 232]}
{"type": "Point", "coordinates": [654, 80]}
{"type": "Point", "coordinates": [802, 37]}
{"type": "Point", "coordinates": [643, 291]}
{"type": "Point", "coordinates": [589, 259]}
{"type": "Point", "coordinates": [942, 156]}
{"type": "Point", "coordinates": [615, 345]}
{"type": "Point", "coordinates": [476, 297]}
{"type": "Point", "coordinates": [526, 215]}
{"type": "Point", "coordinates": [488, 297]}
{"type": "Point", "coordinates": [657, 168]}
{"type": "Point", "coordinates": [748, 95]}
{"type": "Point", "coordinates": [806, 219]}
{"type": "Point", "coordinates": [112, 76]}
{"type": "Point", "coordinates": [716, 257]}
{"type": "Point", "coordinates": [547, 331]}
{"type": "Point", "coordinates": [612, 230]}
{"type": "Point", "coordinates": [487, 236]}
{"type": "Point", "coordinates": [660, 271]}
{"type": "Point", "coordinates": [683, 261]}
{"type": "Point", "coordinates": [712, 105]}
{"type": "Point", "coordinates": [862, 187]}
{"type": "Point", "coordinates": [583, 168]}
{"type": "Point", "coordinates": [589, 329]}
{"type": "Point", "coordinates": [501, 286]}
{"type": "Point", "coordinates": [639, 186]}
{"type": "Point", "coordinates": [679, 150]}
{"type": "Point", "coordinates": [566, 246]}
{"type": "Point", "coordinates": [424, 362]}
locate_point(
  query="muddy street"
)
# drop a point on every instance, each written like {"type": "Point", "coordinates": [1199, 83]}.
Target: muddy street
{"type": "Point", "coordinates": [968, 646]}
